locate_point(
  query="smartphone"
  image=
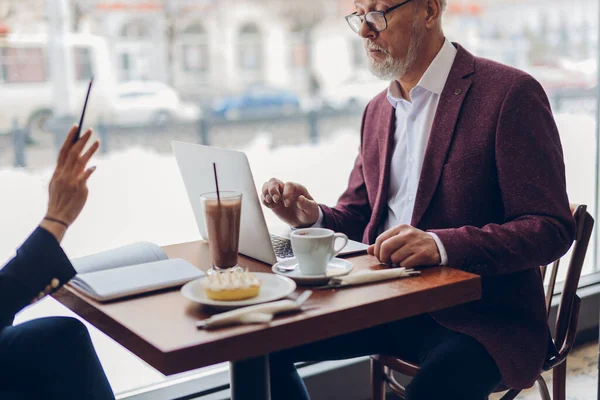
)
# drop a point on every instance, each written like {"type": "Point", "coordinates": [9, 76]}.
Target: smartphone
{"type": "Point", "coordinates": [87, 96]}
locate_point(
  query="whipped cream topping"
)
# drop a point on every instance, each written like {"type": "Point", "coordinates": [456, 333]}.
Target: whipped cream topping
{"type": "Point", "coordinates": [230, 280]}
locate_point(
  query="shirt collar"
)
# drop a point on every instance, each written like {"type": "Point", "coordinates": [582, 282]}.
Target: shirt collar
{"type": "Point", "coordinates": [435, 77]}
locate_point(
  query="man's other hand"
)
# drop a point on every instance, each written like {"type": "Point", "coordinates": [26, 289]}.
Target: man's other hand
{"type": "Point", "coordinates": [405, 246]}
{"type": "Point", "coordinates": [291, 202]}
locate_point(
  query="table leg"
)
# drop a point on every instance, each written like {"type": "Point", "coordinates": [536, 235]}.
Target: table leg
{"type": "Point", "coordinates": [250, 379]}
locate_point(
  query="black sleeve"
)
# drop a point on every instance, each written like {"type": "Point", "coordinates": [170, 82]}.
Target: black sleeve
{"type": "Point", "coordinates": [40, 264]}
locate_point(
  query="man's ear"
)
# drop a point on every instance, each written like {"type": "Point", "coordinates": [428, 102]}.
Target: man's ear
{"type": "Point", "coordinates": [434, 13]}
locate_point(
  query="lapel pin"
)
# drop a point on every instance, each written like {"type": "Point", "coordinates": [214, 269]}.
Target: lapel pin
{"type": "Point", "coordinates": [457, 92]}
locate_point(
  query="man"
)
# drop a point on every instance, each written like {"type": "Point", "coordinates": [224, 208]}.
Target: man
{"type": "Point", "coordinates": [49, 358]}
{"type": "Point", "coordinates": [460, 164]}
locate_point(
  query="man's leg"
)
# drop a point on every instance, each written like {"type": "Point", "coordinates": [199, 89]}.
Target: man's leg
{"type": "Point", "coordinates": [51, 358]}
{"type": "Point", "coordinates": [401, 337]}
{"type": "Point", "coordinates": [453, 366]}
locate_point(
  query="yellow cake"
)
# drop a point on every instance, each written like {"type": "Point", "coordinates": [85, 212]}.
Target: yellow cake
{"type": "Point", "coordinates": [231, 285]}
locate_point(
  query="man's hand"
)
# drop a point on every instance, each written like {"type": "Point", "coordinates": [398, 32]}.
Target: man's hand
{"type": "Point", "coordinates": [291, 202]}
{"type": "Point", "coordinates": [405, 246]}
{"type": "Point", "coordinates": [68, 190]}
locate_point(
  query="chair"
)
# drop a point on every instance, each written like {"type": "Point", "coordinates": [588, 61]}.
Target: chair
{"type": "Point", "coordinates": [383, 367]}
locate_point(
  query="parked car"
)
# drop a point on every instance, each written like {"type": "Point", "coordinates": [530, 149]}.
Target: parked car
{"type": "Point", "coordinates": [148, 102]}
{"type": "Point", "coordinates": [257, 101]}
{"type": "Point", "coordinates": [355, 91]}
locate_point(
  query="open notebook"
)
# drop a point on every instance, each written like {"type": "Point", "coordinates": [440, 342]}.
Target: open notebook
{"type": "Point", "coordinates": [128, 270]}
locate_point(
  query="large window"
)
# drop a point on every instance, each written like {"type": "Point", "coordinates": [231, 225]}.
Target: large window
{"type": "Point", "coordinates": [194, 49]}
{"type": "Point", "coordinates": [250, 48]}
{"type": "Point", "coordinates": [135, 49]}
{"type": "Point", "coordinates": [233, 77]}
{"type": "Point", "coordinates": [83, 64]}
{"type": "Point", "coordinates": [22, 65]}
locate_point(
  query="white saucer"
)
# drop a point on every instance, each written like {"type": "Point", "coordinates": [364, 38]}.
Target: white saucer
{"type": "Point", "coordinates": [336, 267]}
{"type": "Point", "coordinates": [273, 287]}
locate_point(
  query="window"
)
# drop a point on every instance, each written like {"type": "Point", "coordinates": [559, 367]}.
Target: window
{"type": "Point", "coordinates": [22, 65]}
{"type": "Point", "coordinates": [83, 64]}
{"type": "Point", "coordinates": [194, 49]}
{"type": "Point", "coordinates": [250, 52]}
{"type": "Point", "coordinates": [136, 29]}
{"type": "Point", "coordinates": [298, 50]}
{"type": "Point", "coordinates": [136, 50]}
{"type": "Point", "coordinates": [247, 69]}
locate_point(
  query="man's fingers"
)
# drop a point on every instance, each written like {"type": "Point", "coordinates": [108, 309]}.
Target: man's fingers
{"type": "Point", "coordinates": [399, 256]}
{"type": "Point", "coordinates": [382, 238]}
{"type": "Point", "coordinates": [66, 146]}
{"type": "Point", "coordinates": [266, 197]}
{"type": "Point", "coordinates": [267, 201]}
{"type": "Point", "coordinates": [389, 247]}
{"type": "Point", "coordinates": [290, 193]}
{"type": "Point", "coordinates": [412, 261]}
{"type": "Point", "coordinates": [304, 204]}
{"type": "Point", "coordinates": [371, 250]}
{"type": "Point", "coordinates": [275, 188]}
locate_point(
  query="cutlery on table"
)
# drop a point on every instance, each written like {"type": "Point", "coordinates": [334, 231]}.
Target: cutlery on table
{"type": "Point", "coordinates": [256, 314]}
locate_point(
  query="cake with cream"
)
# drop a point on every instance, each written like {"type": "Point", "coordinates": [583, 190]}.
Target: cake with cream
{"type": "Point", "coordinates": [231, 285]}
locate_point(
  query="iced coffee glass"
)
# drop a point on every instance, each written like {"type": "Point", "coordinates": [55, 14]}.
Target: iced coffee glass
{"type": "Point", "coordinates": [222, 216]}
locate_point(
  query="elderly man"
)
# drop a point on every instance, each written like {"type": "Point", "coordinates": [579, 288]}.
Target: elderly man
{"type": "Point", "coordinates": [460, 164]}
{"type": "Point", "coordinates": [49, 358]}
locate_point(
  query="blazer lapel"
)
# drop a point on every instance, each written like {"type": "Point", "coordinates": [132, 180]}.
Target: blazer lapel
{"type": "Point", "coordinates": [444, 124]}
{"type": "Point", "coordinates": [386, 131]}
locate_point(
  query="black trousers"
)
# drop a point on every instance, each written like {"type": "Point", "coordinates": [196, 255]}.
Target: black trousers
{"type": "Point", "coordinates": [50, 358]}
{"type": "Point", "coordinates": [453, 365]}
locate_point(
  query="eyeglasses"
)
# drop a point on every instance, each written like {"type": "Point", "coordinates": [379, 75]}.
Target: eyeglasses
{"type": "Point", "coordinates": [375, 20]}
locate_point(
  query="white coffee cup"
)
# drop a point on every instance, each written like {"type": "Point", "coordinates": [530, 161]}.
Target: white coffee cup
{"type": "Point", "coordinates": [314, 248]}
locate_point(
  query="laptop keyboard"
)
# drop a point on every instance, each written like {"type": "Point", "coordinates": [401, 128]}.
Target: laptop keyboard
{"type": "Point", "coordinates": [282, 247]}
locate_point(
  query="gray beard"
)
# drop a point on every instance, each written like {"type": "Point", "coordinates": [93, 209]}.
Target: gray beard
{"type": "Point", "coordinates": [392, 69]}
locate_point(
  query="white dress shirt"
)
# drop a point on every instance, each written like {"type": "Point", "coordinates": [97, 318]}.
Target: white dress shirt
{"type": "Point", "coordinates": [413, 126]}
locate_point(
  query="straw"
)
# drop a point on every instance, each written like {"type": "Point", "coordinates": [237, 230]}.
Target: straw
{"type": "Point", "coordinates": [217, 183]}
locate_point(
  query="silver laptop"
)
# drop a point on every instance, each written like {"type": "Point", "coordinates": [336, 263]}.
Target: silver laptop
{"type": "Point", "coordinates": [196, 166]}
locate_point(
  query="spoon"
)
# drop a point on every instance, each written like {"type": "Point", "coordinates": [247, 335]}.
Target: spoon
{"type": "Point", "coordinates": [287, 268]}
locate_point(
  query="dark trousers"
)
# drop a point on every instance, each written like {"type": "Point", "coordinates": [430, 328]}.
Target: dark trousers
{"type": "Point", "coordinates": [453, 365]}
{"type": "Point", "coordinates": [50, 358]}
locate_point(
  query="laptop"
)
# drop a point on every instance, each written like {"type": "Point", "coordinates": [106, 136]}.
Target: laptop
{"type": "Point", "coordinates": [196, 167]}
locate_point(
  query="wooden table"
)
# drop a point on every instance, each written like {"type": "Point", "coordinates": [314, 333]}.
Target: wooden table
{"type": "Point", "coordinates": [160, 328]}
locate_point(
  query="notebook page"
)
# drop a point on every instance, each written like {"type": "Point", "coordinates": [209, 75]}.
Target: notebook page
{"type": "Point", "coordinates": [131, 254]}
{"type": "Point", "coordinates": [125, 281]}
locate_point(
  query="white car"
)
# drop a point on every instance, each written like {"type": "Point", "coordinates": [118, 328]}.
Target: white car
{"type": "Point", "coordinates": [357, 90]}
{"type": "Point", "coordinates": [148, 102]}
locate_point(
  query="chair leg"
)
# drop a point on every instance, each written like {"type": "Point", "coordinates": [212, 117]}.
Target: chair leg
{"type": "Point", "coordinates": [543, 388]}
{"type": "Point", "coordinates": [559, 381]}
{"type": "Point", "coordinates": [378, 380]}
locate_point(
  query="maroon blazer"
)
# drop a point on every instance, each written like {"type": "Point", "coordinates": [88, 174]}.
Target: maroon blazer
{"type": "Point", "coordinates": [492, 187]}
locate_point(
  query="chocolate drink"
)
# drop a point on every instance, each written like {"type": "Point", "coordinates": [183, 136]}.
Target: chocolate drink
{"type": "Point", "coordinates": [223, 226]}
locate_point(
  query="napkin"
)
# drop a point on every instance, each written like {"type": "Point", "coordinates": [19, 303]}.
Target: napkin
{"type": "Point", "coordinates": [362, 277]}
{"type": "Point", "coordinates": [259, 313]}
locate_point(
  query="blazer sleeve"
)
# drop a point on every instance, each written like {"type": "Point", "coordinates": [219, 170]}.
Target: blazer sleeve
{"type": "Point", "coordinates": [538, 226]}
{"type": "Point", "coordinates": [352, 212]}
{"type": "Point", "coordinates": [40, 267]}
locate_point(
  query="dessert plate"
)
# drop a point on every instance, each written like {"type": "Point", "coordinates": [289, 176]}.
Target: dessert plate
{"type": "Point", "coordinates": [273, 287]}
